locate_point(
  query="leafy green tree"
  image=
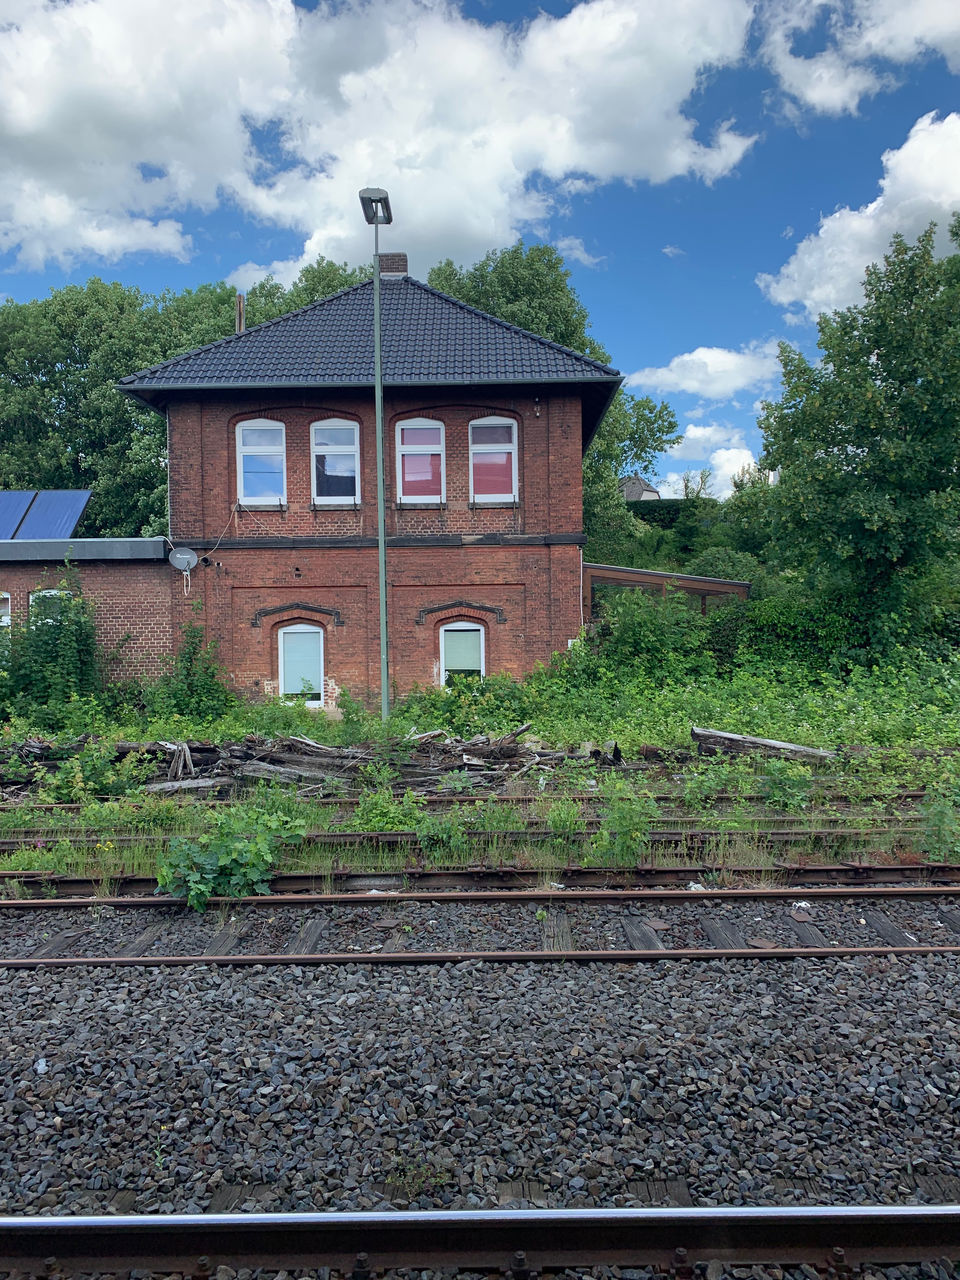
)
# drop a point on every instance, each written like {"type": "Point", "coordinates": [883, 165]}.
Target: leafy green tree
{"type": "Point", "coordinates": [64, 425]}
{"type": "Point", "coordinates": [268, 299]}
{"type": "Point", "coordinates": [867, 443]}
{"type": "Point", "coordinates": [530, 287]}
{"type": "Point", "coordinates": [62, 422]}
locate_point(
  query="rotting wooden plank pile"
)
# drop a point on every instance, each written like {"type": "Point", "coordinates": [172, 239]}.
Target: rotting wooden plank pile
{"type": "Point", "coordinates": [426, 763]}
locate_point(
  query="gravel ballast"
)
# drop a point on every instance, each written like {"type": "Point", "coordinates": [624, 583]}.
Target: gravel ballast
{"type": "Point", "coordinates": [503, 925]}
{"type": "Point", "coordinates": [476, 1085]}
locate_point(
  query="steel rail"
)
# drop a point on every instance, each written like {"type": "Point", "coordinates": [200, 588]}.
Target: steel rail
{"type": "Point", "coordinates": [374, 897]}
{"type": "Point", "coordinates": [852, 874]}
{"type": "Point", "coordinates": [387, 959]}
{"type": "Point", "coordinates": [547, 1239]}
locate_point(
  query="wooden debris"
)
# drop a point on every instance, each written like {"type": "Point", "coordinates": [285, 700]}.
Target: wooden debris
{"type": "Point", "coordinates": [714, 741]}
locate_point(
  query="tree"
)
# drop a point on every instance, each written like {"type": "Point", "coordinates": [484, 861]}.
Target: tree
{"type": "Point", "coordinates": [867, 443]}
{"type": "Point", "coordinates": [64, 425]}
{"type": "Point", "coordinates": [530, 287]}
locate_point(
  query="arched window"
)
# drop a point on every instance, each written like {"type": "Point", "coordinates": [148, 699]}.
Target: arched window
{"type": "Point", "coordinates": [300, 662]}
{"type": "Point", "coordinates": [462, 650]}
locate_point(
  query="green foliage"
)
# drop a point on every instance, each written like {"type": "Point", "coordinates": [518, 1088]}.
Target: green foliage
{"type": "Point", "coordinates": [565, 822]}
{"type": "Point", "coordinates": [786, 784]}
{"type": "Point", "coordinates": [195, 686]}
{"type": "Point", "coordinates": [92, 771]}
{"type": "Point", "coordinates": [445, 835]}
{"type": "Point", "coordinates": [867, 442]}
{"type": "Point", "coordinates": [661, 636]}
{"type": "Point", "coordinates": [467, 706]}
{"type": "Point", "coordinates": [940, 823]}
{"type": "Point", "coordinates": [381, 810]}
{"type": "Point", "coordinates": [52, 657]}
{"type": "Point", "coordinates": [525, 286]}
{"type": "Point", "coordinates": [626, 816]}
{"type": "Point", "coordinates": [232, 860]}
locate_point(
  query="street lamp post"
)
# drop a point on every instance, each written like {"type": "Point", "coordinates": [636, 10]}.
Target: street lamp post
{"type": "Point", "coordinates": [376, 209]}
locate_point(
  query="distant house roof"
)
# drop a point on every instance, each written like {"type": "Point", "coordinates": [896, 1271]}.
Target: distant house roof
{"type": "Point", "coordinates": [635, 488]}
{"type": "Point", "coordinates": [429, 339]}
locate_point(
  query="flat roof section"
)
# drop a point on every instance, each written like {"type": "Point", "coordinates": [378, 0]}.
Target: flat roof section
{"type": "Point", "coordinates": [49, 550]}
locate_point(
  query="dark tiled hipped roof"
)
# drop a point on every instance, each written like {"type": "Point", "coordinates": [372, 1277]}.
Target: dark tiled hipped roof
{"type": "Point", "coordinates": [429, 339]}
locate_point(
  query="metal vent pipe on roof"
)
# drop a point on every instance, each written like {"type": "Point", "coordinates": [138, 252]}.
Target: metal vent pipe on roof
{"type": "Point", "coordinates": [241, 318]}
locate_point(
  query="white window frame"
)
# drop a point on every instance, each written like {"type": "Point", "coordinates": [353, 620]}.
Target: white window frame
{"type": "Point", "coordinates": [336, 500]}
{"type": "Point", "coordinates": [402, 449]}
{"type": "Point", "coordinates": [462, 626]}
{"type": "Point", "coordinates": [495, 420]}
{"type": "Point", "coordinates": [295, 694]}
{"type": "Point", "coordinates": [244, 451]}
{"type": "Point", "coordinates": [46, 591]}
{"type": "Point", "coordinates": [6, 609]}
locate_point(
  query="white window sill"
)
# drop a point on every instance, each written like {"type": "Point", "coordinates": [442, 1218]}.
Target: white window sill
{"type": "Point", "coordinates": [275, 505]}
{"type": "Point", "coordinates": [413, 505]}
{"type": "Point", "coordinates": [494, 502]}
{"type": "Point", "coordinates": [334, 506]}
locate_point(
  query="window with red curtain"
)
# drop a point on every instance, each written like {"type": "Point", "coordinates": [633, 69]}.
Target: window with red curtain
{"type": "Point", "coordinates": [493, 460]}
{"type": "Point", "coordinates": [420, 461]}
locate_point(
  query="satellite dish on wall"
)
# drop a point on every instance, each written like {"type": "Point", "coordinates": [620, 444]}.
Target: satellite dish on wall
{"type": "Point", "coordinates": [183, 558]}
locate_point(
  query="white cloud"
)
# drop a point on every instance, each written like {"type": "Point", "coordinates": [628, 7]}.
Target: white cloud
{"type": "Point", "coordinates": [700, 442]}
{"type": "Point", "coordinates": [714, 372]}
{"type": "Point", "coordinates": [478, 131]}
{"type": "Point", "coordinates": [860, 36]}
{"type": "Point", "coordinates": [724, 464]}
{"type": "Point", "coordinates": [573, 247]}
{"type": "Point", "coordinates": [920, 184]}
{"type": "Point", "coordinates": [673, 251]}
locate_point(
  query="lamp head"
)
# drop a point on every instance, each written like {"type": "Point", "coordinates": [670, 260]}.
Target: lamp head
{"type": "Point", "coordinates": [376, 206]}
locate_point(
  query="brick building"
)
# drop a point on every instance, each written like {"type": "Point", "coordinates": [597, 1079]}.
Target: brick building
{"type": "Point", "coordinates": [272, 475]}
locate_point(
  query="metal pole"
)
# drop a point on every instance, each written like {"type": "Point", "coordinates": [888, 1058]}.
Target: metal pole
{"type": "Point", "coordinates": [381, 506]}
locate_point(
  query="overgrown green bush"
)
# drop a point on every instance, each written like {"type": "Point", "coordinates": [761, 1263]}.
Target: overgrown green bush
{"type": "Point", "coordinates": [660, 636]}
{"type": "Point", "coordinates": [52, 657]}
{"type": "Point", "coordinates": [195, 686]}
{"type": "Point", "coordinates": [234, 859]}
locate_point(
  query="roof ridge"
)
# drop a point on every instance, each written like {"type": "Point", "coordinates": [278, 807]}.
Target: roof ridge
{"type": "Point", "coordinates": [232, 337]}
{"type": "Point", "coordinates": [506, 324]}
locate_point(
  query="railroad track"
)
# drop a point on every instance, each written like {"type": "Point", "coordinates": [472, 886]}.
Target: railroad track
{"type": "Point", "coordinates": [428, 927]}
{"type": "Point", "coordinates": [519, 1243]}
{"type": "Point", "coordinates": [52, 884]}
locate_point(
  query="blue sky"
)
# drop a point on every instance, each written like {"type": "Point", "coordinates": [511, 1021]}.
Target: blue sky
{"type": "Point", "coordinates": [716, 172]}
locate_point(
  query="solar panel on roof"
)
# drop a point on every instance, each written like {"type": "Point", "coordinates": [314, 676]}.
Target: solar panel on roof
{"type": "Point", "coordinates": [13, 507]}
{"type": "Point", "coordinates": [54, 513]}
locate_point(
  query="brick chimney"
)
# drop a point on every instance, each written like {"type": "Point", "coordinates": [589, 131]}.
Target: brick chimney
{"type": "Point", "coordinates": [393, 264]}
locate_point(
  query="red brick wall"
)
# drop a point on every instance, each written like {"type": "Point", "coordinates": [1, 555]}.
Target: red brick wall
{"type": "Point", "coordinates": [132, 603]}
{"type": "Point", "coordinates": [535, 589]}
{"type": "Point", "coordinates": [529, 596]}
{"type": "Point", "coordinates": [203, 467]}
